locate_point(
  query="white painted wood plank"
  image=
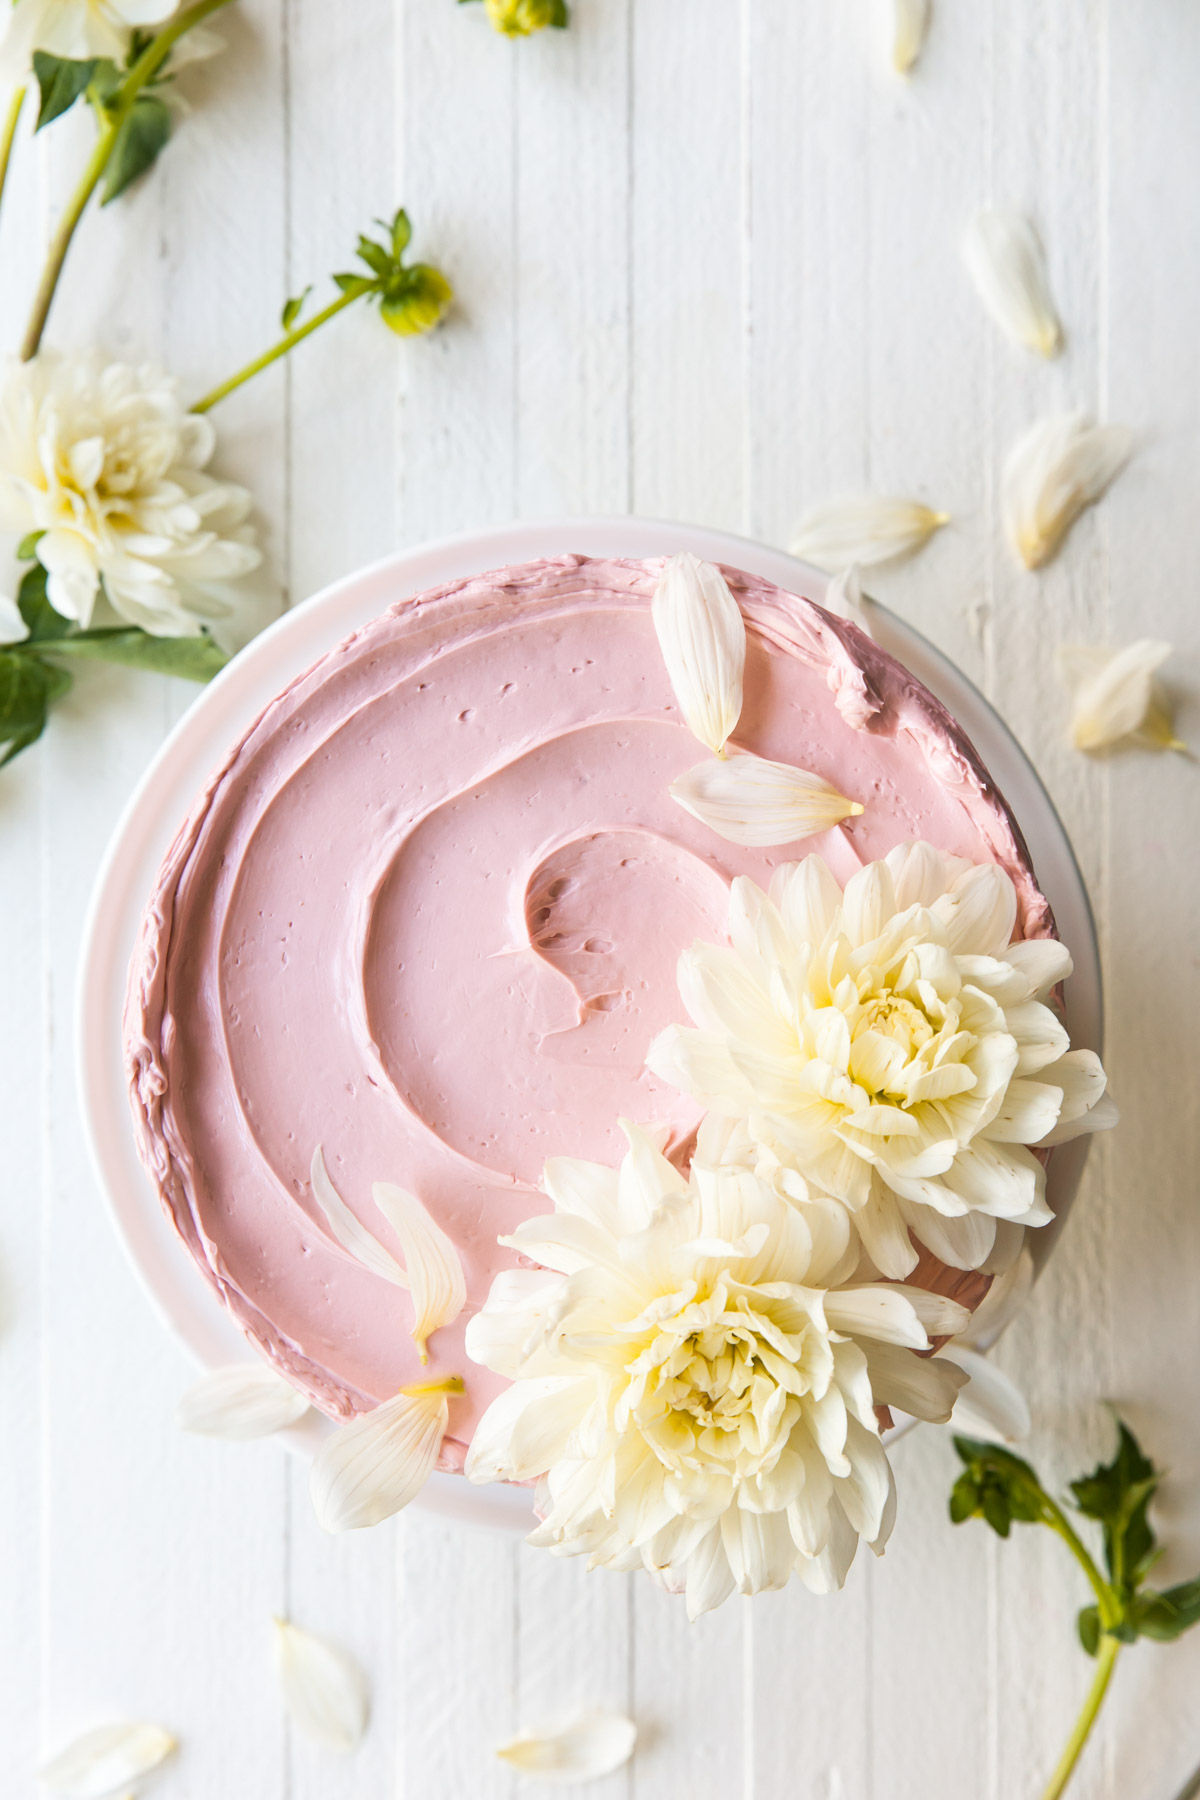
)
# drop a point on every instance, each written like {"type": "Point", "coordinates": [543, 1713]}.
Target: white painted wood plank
{"type": "Point", "coordinates": [572, 244]}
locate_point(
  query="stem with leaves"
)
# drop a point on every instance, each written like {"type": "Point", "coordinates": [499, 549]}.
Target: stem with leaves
{"type": "Point", "coordinates": [412, 298]}
{"type": "Point", "coordinates": [112, 117]}
{"type": "Point", "coordinates": [999, 1487]}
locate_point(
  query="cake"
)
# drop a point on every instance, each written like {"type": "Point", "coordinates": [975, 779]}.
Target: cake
{"type": "Point", "coordinates": [426, 918]}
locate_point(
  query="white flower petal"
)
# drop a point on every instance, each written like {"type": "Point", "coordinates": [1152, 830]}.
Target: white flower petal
{"type": "Point", "coordinates": [703, 641]}
{"type": "Point", "coordinates": [13, 629]}
{"type": "Point", "coordinates": [1054, 473]}
{"type": "Point", "coordinates": [372, 1467]}
{"type": "Point", "coordinates": [1006, 261]}
{"type": "Point", "coordinates": [991, 1405]}
{"type": "Point", "coordinates": [324, 1689]}
{"type": "Point", "coordinates": [757, 803]}
{"type": "Point", "coordinates": [432, 1264]}
{"type": "Point", "coordinates": [246, 1400]}
{"type": "Point", "coordinates": [580, 1747]}
{"type": "Point", "coordinates": [347, 1229]}
{"type": "Point", "coordinates": [908, 27]}
{"type": "Point", "coordinates": [864, 529]}
{"type": "Point", "coordinates": [1119, 698]}
{"type": "Point", "coordinates": [1001, 1304]}
{"type": "Point", "coordinates": [105, 1760]}
{"type": "Point", "coordinates": [1101, 1117]}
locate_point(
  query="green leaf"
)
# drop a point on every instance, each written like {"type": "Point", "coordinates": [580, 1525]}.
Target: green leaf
{"type": "Point", "coordinates": [1166, 1616]}
{"type": "Point", "coordinates": [401, 232]}
{"type": "Point", "coordinates": [559, 16]}
{"type": "Point", "coordinates": [105, 81]}
{"type": "Point", "coordinates": [1118, 1494]}
{"type": "Point", "coordinates": [60, 82]}
{"type": "Point", "coordinates": [375, 256]}
{"type": "Point", "coordinates": [191, 658]}
{"type": "Point", "coordinates": [27, 548]}
{"type": "Point", "coordinates": [355, 284]}
{"type": "Point", "coordinates": [293, 308]}
{"type": "Point", "coordinates": [964, 1499]}
{"type": "Point", "coordinates": [1003, 1488]}
{"type": "Point", "coordinates": [145, 133]}
{"type": "Point", "coordinates": [416, 300]}
{"type": "Point", "coordinates": [1088, 1626]}
{"type": "Point", "coordinates": [45, 625]}
{"type": "Point", "coordinates": [28, 687]}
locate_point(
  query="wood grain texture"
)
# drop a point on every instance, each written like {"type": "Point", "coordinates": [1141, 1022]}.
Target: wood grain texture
{"type": "Point", "coordinates": [707, 265]}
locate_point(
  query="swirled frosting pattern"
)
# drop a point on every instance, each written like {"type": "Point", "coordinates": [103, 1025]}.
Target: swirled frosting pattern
{"type": "Point", "coordinates": [427, 915]}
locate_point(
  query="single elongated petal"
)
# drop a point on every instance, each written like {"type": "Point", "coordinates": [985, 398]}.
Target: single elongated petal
{"type": "Point", "coordinates": [324, 1689]}
{"type": "Point", "coordinates": [350, 1234]}
{"type": "Point", "coordinates": [372, 1467]}
{"type": "Point", "coordinates": [246, 1400]}
{"type": "Point", "coordinates": [1055, 472]}
{"type": "Point", "coordinates": [433, 1265]}
{"type": "Point", "coordinates": [755, 802]}
{"type": "Point", "coordinates": [864, 529]}
{"type": "Point", "coordinates": [908, 27]}
{"type": "Point", "coordinates": [991, 1405]}
{"type": "Point", "coordinates": [1007, 263]}
{"type": "Point", "coordinates": [105, 1760]}
{"type": "Point", "coordinates": [1001, 1304]}
{"type": "Point", "coordinates": [580, 1747]}
{"type": "Point", "coordinates": [703, 640]}
{"type": "Point", "coordinates": [1117, 697]}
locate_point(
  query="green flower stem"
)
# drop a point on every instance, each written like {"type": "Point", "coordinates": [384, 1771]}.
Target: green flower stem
{"type": "Point", "coordinates": [1106, 1661]}
{"type": "Point", "coordinates": [8, 132]}
{"type": "Point", "coordinates": [1107, 1603]}
{"type": "Point", "coordinates": [287, 342]}
{"type": "Point", "coordinates": [112, 119]}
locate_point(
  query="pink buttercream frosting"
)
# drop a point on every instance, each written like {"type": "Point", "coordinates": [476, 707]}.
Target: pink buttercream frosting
{"type": "Point", "coordinates": [427, 915]}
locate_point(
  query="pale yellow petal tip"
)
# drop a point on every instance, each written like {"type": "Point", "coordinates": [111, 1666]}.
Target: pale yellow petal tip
{"type": "Point", "coordinates": [854, 809]}
{"type": "Point", "coordinates": [445, 1384]}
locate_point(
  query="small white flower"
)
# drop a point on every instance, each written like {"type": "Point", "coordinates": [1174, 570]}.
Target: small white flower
{"type": "Point", "coordinates": [757, 803]}
{"type": "Point", "coordinates": [1055, 472]}
{"type": "Point", "coordinates": [864, 529]}
{"type": "Point", "coordinates": [324, 1689]}
{"type": "Point", "coordinates": [76, 29]}
{"type": "Point", "coordinates": [432, 1268]}
{"type": "Point", "coordinates": [703, 640]}
{"type": "Point", "coordinates": [13, 628]}
{"type": "Point", "coordinates": [907, 28]}
{"type": "Point", "coordinates": [372, 1467]}
{"type": "Point", "coordinates": [891, 1044]}
{"type": "Point", "coordinates": [695, 1372]}
{"type": "Point", "coordinates": [246, 1400]}
{"type": "Point", "coordinates": [581, 1746]}
{"type": "Point", "coordinates": [1117, 696]}
{"type": "Point", "coordinates": [105, 1760]}
{"type": "Point", "coordinates": [1007, 263]}
{"type": "Point", "coordinates": [844, 597]}
{"type": "Point", "coordinates": [106, 463]}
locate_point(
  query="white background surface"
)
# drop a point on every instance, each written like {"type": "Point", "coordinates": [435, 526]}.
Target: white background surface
{"type": "Point", "coordinates": [707, 265]}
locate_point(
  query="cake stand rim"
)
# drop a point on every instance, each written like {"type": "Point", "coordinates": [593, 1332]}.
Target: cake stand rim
{"type": "Point", "coordinates": [193, 749]}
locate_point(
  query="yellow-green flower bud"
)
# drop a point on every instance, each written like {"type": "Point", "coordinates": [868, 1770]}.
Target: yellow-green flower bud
{"type": "Point", "coordinates": [420, 302]}
{"type": "Point", "coordinates": [517, 18]}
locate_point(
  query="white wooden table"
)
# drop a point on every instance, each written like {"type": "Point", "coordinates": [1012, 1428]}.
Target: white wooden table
{"type": "Point", "coordinates": [707, 265]}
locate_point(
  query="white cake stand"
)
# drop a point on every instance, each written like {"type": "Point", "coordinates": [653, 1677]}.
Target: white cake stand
{"type": "Point", "coordinates": [225, 709]}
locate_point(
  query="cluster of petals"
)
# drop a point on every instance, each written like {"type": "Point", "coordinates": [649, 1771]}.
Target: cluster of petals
{"type": "Point", "coordinates": [695, 1369]}
{"type": "Point", "coordinates": [103, 460]}
{"type": "Point", "coordinates": [893, 1046]}
{"type": "Point", "coordinates": [76, 29]}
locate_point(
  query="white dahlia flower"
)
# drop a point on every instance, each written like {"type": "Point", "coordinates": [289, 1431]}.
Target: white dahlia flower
{"type": "Point", "coordinates": [695, 1374]}
{"type": "Point", "coordinates": [891, 1044]}
{"type": "Point", "coordinates": [105, 462]}
{"type": "Point", "coordinates": [76, 29]}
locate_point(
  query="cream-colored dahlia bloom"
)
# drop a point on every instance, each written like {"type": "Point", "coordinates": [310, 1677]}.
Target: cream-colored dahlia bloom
{"type": "Point", "coordinates": [76, 29]}
{"type": "Point", "coordinates": [892, 1045]}
{"type": "Point", "coordinates": [695, 1373]}
{"type": "Point", "coordinates": [104, 460]}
